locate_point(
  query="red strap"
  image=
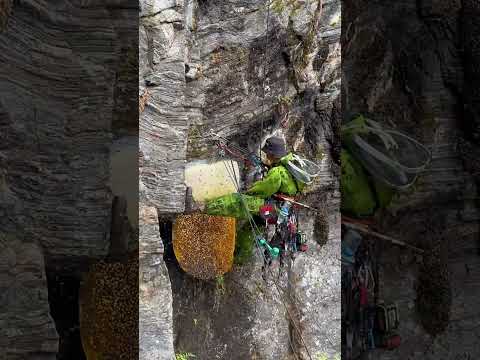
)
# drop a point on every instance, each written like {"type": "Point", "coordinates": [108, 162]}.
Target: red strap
{"type": "Point", "coordinates": [284, 197]}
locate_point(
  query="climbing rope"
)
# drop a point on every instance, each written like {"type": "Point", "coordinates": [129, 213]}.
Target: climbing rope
{"type": "Point", "coordinates": [256, 231]}
{"type": "Point", "coordinates": [390, 156]}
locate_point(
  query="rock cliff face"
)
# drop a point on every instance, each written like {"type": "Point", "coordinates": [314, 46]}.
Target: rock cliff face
{"type": "Point", "coordinates": [62, 82]}
{"type": "Point", "coordinates": [411, 65]}
{"type": "Point", "coordinates": [44, 99]}
{"type": "Point", "coordinates": [218, 66]}
{"type": "Point", "coordinates": [155, 297]}
{"type": "Point", "coordinates": [27, 330]}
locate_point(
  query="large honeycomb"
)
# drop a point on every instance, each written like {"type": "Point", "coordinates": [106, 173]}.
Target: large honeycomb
{"type": "Point", "coordinates": [204, 244]}
{"type": "Point", "coordinates": [109, 311]}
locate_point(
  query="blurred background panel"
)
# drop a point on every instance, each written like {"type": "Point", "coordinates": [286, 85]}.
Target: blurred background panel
{"type": "Point", "coordinates": [69, 105]}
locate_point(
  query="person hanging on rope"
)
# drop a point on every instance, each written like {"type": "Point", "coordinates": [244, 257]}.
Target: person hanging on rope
{"type": "Point", "coordinates": [246, 206]}
{"type": "Point", "coordinates": [288, 175]}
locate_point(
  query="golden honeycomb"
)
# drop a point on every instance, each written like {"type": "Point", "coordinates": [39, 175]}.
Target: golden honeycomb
{"type": "Point", "coordinates": [204, 244]}
{"type": "Point", "coordinates": [109, 310]}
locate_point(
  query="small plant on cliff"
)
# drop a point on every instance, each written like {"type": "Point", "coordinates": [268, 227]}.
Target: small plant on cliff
{"type": "Point", "coordinates": [220, 285]}
{"type": "Point", "coordinates": [284, 101]}
{"type": "Point", "coordinates": [320, 356]}
{"type": "Point", "coordinates": [184, 356]}
{"type": "Point", "coordinates": [279, 6]}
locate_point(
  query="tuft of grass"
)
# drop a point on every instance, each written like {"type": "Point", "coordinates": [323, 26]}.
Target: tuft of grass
{"type": "Point", "coordinates": [184, 356]}
{"type": "Point", "coordinates": [320, 356]}
{"type": "Point", "coordinates": [279, 6]}
{"type": "Point", "coordinates": [284, 101]}
{"type": "Point", "coordinates": [220, 285]}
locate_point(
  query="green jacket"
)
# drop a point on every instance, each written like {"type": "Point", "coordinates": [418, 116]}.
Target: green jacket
{"type": "Point", "coordinates": [277, 180]}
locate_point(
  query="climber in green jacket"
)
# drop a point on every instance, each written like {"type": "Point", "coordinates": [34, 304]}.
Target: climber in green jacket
{"type": "Point", "coordinates": [277, 180]}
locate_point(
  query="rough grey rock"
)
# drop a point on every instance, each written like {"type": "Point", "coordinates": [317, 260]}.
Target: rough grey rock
{"type": "Point", "coordinates": [317, 283]}
{"type": "Point", "coordinates": [163, 124]}
{"type": "Point", "coordinates": [27, 329]}
{"type": "Point", "coordinates": [63, 134]}
{"type": "Point", "coordinates": [155, 297]}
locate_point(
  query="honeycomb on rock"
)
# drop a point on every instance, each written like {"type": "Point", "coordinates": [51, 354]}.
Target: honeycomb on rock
{"type": "Point", "coordinates": [109, 310]}
{"type": "Point", "coordinates": [204, 244]}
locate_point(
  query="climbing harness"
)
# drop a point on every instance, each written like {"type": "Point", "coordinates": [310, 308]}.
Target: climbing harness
{"type": "Point", "coordinates": [287, 236]}
{"type": "Point", "coordinates": [389, 155]}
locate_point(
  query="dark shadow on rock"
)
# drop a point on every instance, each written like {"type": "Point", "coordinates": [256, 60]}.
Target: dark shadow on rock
{"type": "Point", "coordinates": [63, 296]}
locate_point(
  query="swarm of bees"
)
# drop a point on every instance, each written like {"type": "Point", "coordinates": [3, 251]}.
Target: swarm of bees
{"type": "Point", "coordinates": [109, 310]}
{"type": "Point", "coordinates": [204, 244]}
